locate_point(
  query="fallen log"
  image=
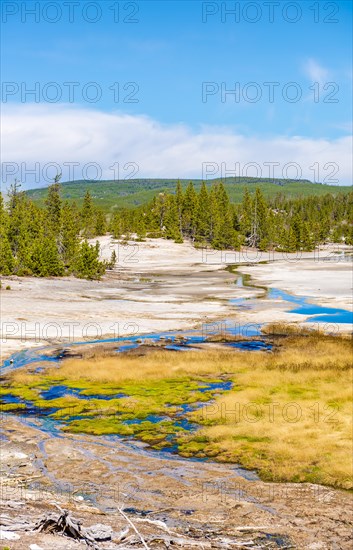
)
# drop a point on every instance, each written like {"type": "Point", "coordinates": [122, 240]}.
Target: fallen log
{"type": "Point", "coordinates": [64, 524]}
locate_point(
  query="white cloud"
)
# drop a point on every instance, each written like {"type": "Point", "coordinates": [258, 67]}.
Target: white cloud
{"type": "Point", "coordinates": [66, 134]}
{"type": "Point", "coordinates": [316, 72]}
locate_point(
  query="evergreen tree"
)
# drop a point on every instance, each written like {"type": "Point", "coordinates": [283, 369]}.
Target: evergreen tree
{"type": "Point", "coordinates": [7, 262]}
{"type": "Point", "coordinates": [87, 216]}
{"type": "Point", "coordinates": [246, 214]}
{"type": "Point", "coordinates": [214, 213]}
{"type": "Point", "coordinates": [14, 193]}
{"type": "Point", "coordinates": [4, 216]}
{"type": "Point", "coordinates": [100, 222]}
{"type": "Point", "coordinates": [222, 198]}
{"type": "Point", "coordinates": [291, 243]}
{"type": "Point", "coordinates": [112, 261]}
{"type": "Point", "coordinates": [307, 242]}
{"type": "Point", "coordinates": [259, 228]}
{"type": "Point", "coordinates": [45, 259]}
{"type": "Point", "coordinates": [158, 210]}
{"type": "Point", "coordinates": [203, 216]}
{"type": "Point", "coordinates": [171, 219]}
{"type": "Point", "coordinates": [53, 205]}
{"type": "Point", "coordinates": [69, 242]}
{"type": "Point", "coordinates": [17, 214]}
{"type": "Point", "coordinates": [190, 207]}
{"type": "Point", "coordinates": [179, 199]}
{"type": "Point", "coordinates": [140, 227]}
{"type": "Point", "coordinates": [87, 265]}
{"type": "Point", "coordinates": [348, 235]}
{"type": "Point", "coordinates": [297, 226]}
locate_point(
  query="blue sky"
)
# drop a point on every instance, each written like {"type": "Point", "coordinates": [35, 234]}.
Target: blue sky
{"type": "Point", "coordinates": [170, 52]}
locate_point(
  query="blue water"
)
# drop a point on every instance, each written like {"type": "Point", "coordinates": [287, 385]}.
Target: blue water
{"type": "Point", "coordinates": [126, 347]}
{"type": "Point", "coordinates": [250, 345]}
{"type": "Point", "coordinates": [153, 418]}
{"type": "Point", "coordinates": [215, 386]}
{"type": "Point", "coordinates": [315, 313]}
{"type": "Point", "coordinates": [26, 357]}
{"type": "Point", "coordinates": [176, 341]}
{"type": "Point", "coordinates": [61, 390]}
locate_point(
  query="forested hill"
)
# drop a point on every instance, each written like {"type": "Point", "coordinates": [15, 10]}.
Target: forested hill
{"type": "Point", "coordinates": [128, 193]}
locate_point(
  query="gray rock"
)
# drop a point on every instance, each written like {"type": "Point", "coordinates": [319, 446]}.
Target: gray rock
{"type": "Point", "coordinates": [100, 532]}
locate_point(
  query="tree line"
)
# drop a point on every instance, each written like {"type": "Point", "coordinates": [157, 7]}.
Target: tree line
{"type": "Point", "coordinates": [208, 218]}
{"type": "Point", "coordinates": [53, 240]}
{"type": "Point", "coordinates": [50, 241]}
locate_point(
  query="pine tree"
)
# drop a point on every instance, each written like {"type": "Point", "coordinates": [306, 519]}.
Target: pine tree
{"type": "Point", "coordinates": [348, 235]}
{"type": "Point", "coordinates": [179, 199]}
{"type": "Point", "coordinates": [246, 214]}
{"type": "Point", "coordinates": [337, 234]}
{"type": "Point", "coordinates": [262, 214]}
{"type": "Point", "coordinates": [116, 225]}
{"type": "Point", "coordinates": [17, 213]}
{"type": "Point", "coordinates": [159, 209]}
{"type": "Point", "coordinates": [297, 226]}
{"type": "Point", "coordinates": [214, 213]}
{"type": "Point", "coordinates": [203, 215]}
{"type": "Point", "coordinates": [4, 216]}
{"type": "Point", "coordinates": [45, 258]}
{"type": "Point", "coordinates": [273, 228]}
{"type": "Point", "coordinates": [171, 220]}
{"type": "Point", "coordinates": [112, 261]}
{"type": "Point", "coordinates": [14, 194]}
{"type": "Point", "coordinates": [7, 262]}
{"type": "Point", "coordinates": [87, 216]}
{"type": "Point", "coordinates": [100, 222]}
{"type": "Point", "coordinates": [69, 241]}
{"type": "Point", "coordinates": [53, 205]}
{"type": "Point", "coordinates": [235, 218]}
{"type": "Point", "coordinates": [87, 265]}
{"type": "Point", "coordinates": [222, 198]}
{"type": "Point", "coordinates": [225, 235]}
{"type": "Point", "coordinates": [307, 242]}
{"type": "Point", "coordinates": [291, 241]}
{"type": "Point", "coordinates": [190, 206]}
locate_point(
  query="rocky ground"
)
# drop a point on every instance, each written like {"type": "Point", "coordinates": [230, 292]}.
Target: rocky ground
{"type": "Point", "coordinates": [171, 502]}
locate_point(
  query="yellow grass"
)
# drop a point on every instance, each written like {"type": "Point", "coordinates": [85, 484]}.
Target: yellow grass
{"type": "Point", "coordinates": [288, 415]}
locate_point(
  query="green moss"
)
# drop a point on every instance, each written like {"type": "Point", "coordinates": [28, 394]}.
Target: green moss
{"type": "Point", "coordinates": [23, 392]}
{"type": "Point", "coordinates": [251, 439]}
{"type": "Point", "coordinates": [8, 407]}
{"type": "Point", "coordinates": [99, 416]}
{"type": "Point", "coordinates": [99, 426]}
{"type": "Point", "coordinates": [295, 391]}
{"type": "Point", "coordinates": [198, 449]}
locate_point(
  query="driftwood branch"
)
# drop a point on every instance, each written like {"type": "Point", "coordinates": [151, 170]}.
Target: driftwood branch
{"type": "Point", "coordinates": [134, 528]}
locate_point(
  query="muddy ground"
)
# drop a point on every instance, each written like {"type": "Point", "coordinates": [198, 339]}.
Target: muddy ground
{"type": "Point", "coordinates": [203, 504]}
